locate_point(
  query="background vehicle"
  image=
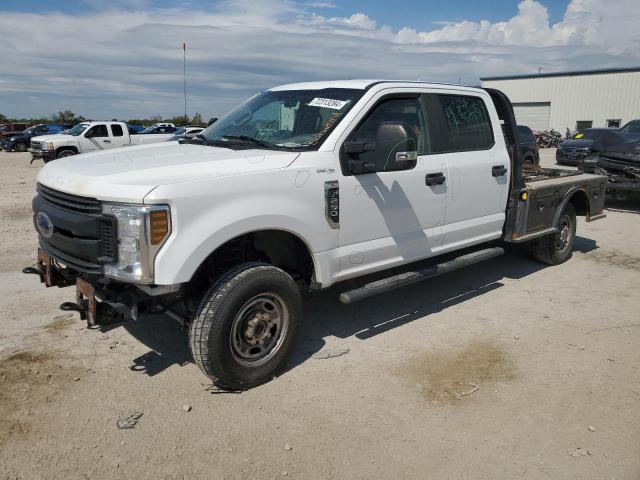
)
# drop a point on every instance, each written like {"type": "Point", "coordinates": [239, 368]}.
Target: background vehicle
{"type": "Point", "coordinates": [9, 129]}
{"type": "Point", "coordinates": [301, 187]}
{"type": "Point", "coordinates": [89, 137]}
{"type": "Point", "coordinates": [547, 138]}
{"type": "Point", "coordinates": [527, 146]}
{"type": "Point", "coordinates": [158, 129]}
{"type": "Point", "coordinates": [633, 127]}
{"type": "Point", "coordinates": [186, 132]}
{"type": "Point", "coordinates": [20, 141]}
{"type": "Point", "coordinates": [591, 140]}
{"type": "Point", "coordinates": [135, 129]}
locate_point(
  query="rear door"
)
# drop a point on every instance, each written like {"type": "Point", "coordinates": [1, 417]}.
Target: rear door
{"type": "Point", "coordinates": [478, 168]}
{"type": "Point", "coordinates": [119, 136]}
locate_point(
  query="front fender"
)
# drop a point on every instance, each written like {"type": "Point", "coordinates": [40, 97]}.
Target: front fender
{"type": "Point", "coordinates": [205, 215]}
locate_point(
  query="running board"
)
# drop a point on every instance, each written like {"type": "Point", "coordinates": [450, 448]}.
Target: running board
{"type": "Point", "coordinates": [407, 278]}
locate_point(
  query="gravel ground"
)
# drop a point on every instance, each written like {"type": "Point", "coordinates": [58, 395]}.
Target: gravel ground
{"type": "Point", "coordinates": [507, 369]}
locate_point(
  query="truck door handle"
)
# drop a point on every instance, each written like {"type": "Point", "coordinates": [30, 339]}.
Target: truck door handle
{"type": "Point", "coordinates": [106, 141]}
{"type": "Point", "coordinates": [498, 170]}
{"type": "Point", "coordinates": [434, 179]}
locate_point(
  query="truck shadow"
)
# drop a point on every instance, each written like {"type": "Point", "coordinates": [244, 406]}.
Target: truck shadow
{"type": "Point", "coordinates": [324, 316]}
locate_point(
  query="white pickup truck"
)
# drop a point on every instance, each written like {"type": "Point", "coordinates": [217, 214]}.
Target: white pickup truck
{"type": "Point", "coordinates": [299, 188]}
{"type": "Point", "coordinates": [90, 137]}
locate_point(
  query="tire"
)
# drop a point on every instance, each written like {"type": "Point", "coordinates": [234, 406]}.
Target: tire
{"type": "Point", "coordinates": [20, 147]}
{"type": "Point", "coordinates": [557, 248]}
{"type": "Point", "coordinates": [65, 153]}
{"type": "Point", "coordinates": [528, 160]}
{"type": "Point", "coordinates": [231, 317]}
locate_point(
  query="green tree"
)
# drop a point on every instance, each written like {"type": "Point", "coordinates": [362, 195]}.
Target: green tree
{"type": "Point", "coordinates": [65, 116]}
{"type": "Point", "coordinates": [3, 119]}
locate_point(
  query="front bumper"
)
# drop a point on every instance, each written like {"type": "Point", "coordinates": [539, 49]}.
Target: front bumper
{"type": "Point", "coordinates": [101, 301]}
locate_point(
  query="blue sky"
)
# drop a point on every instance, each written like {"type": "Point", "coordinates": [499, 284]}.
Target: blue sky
{"type": "Point", "coordinates": [420, 14]}
{"type": "Point", "coordinates": [125, 61]}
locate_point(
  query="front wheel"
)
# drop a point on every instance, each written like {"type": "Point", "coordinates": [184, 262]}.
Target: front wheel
{"type": "Point", "coordinates": [65, 153]}
{"type": "Point", "coordinates": [20, 147]}
{"type": "Point", "coordinates": [557, 248]}
{"type": "Point", "coordinates": [246, 326]}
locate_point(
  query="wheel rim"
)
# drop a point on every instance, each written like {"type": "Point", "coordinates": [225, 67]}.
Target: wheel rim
{"type": "Point", "coordinates": [21, 147]}
{"type": "Point", "coordinates": [65, 154]}
{"type": "Point", "coordinates": [259, 329]}
{"type": "Point", "coordinates": [564, 236]}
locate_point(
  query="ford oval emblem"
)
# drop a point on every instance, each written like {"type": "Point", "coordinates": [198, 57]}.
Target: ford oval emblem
{"type": "Point", "coordinates": [45, 226]}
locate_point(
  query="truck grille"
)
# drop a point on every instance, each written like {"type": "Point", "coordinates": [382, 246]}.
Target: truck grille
{"type": "Point", "coordinates": [68, 201]}
{"type": "Point", "coordinates": [83, 238]}
{"type": "Point", "coordinates": [36, 146]}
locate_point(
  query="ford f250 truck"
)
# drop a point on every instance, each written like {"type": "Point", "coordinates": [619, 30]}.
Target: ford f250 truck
{"type": "Point", "coordinates": [299, 188]}
{"type": "Point", "coordinates": [89, 137]}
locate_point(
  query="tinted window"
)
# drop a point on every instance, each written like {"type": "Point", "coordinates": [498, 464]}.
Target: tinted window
{"type": "Point", "coordinates": [97, 131]}
{"type": "Point", "coordinates": [405, 110]}
{"type": "Point", "coordinates": [116, 130]}
{"type": "Point", "coordinates": [467, 123]}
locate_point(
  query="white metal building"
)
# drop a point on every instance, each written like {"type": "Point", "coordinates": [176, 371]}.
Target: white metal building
{"type": "Point", "coordinates": [574, 100]}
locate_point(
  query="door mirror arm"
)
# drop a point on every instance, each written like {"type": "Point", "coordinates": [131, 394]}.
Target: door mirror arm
{"type": "Point", "coordinates": [359, 167]}
{"type": "Point", "coordinates": [358, 147]}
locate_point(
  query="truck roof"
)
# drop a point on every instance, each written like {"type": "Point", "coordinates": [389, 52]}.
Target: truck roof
{"type": "Point", "coordinates": [364, 84]}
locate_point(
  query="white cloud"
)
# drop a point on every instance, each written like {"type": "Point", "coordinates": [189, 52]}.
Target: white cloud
{"type": "Point", "coordinates": [123, 64]}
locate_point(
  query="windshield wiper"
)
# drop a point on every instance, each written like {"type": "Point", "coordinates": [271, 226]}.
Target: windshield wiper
{"type": "Point", "coordinates": [247, 138]}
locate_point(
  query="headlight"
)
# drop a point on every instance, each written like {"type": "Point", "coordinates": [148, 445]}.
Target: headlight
{"type": "Point", "coordinates": [141, 231]}
{"type": "Point", "coordinates": [48, 146]}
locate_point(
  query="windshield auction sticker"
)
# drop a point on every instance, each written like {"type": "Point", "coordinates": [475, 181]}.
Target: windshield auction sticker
{"type": "Point", "coordinates": [328, 103]}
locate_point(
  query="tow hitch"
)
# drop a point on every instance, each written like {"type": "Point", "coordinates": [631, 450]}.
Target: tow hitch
{"type": "Point", "coordinates": [49, 273]}
{"type": "Point", "coordinates": [86, 304]}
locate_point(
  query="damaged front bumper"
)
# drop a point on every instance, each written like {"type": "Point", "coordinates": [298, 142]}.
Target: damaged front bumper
{"type": "Point", "coordinates": [101, 301]}
{"type": "Point", "coordinates": [622, 171]}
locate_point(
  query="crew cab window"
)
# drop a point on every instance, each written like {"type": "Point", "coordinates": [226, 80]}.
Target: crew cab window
{"type": "Point", "coordinates": [97, 131]}
{"type": "Point", "coordinates": [404, 110]}
{"type": "Point", "coordinates": [468, 126]}
{"type": "Point", "coordinates": [116, 130]}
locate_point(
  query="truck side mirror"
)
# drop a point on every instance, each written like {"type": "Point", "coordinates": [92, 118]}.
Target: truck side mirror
{"type": "Point", "coordinates": [396, 147]}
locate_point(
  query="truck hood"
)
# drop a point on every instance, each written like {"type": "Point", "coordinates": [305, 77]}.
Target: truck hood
{"type": "Point", "coordinates": [128, 174]}
{"type": "Point", "coordinates": [55, 136]}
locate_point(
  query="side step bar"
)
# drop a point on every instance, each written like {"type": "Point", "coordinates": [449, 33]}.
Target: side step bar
{"type": "Point", "coordinates": [407, 278]}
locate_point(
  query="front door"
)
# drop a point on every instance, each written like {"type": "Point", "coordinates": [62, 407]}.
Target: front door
{"type": "Point", "coordinates": [395, 214]}
{"type": "Point", "coordinates": [96, 138]}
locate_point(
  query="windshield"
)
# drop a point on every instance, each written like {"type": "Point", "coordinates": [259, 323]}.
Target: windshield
{"type": "Point", "coordinates": [298, 119]}
{"type": "Point", "coordinates": [77, 130]}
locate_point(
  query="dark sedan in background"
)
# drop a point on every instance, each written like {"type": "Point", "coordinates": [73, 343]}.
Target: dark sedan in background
{"type": "Point", "coordinates": [527, 146]}
{"type": "Point", "coordinates": [591, 140]}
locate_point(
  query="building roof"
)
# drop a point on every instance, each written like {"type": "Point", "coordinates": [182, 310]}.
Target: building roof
{"type": "Point", "coordinates": [565, 74]}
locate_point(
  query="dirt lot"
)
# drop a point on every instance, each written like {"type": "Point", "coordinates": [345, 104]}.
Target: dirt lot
{"type": "Point", "coordinates": [503, 370]}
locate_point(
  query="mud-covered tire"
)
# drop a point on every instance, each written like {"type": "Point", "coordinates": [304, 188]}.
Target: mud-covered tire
{"type": "Point", "coordinates": [219, 332]}
{"type": "Point", "coordinates": [557, 248]}
{"type": "Point", "coordinates": [65, 153]}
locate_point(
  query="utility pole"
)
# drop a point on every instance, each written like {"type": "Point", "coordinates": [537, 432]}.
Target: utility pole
{"type": "Point", "coordinates": [184, 78]}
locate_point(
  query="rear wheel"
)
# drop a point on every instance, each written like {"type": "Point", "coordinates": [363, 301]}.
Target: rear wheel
{"type": "Point", "coordinates": [557, 248]}
{"type": "Point", "coordinates": [246, 326]}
